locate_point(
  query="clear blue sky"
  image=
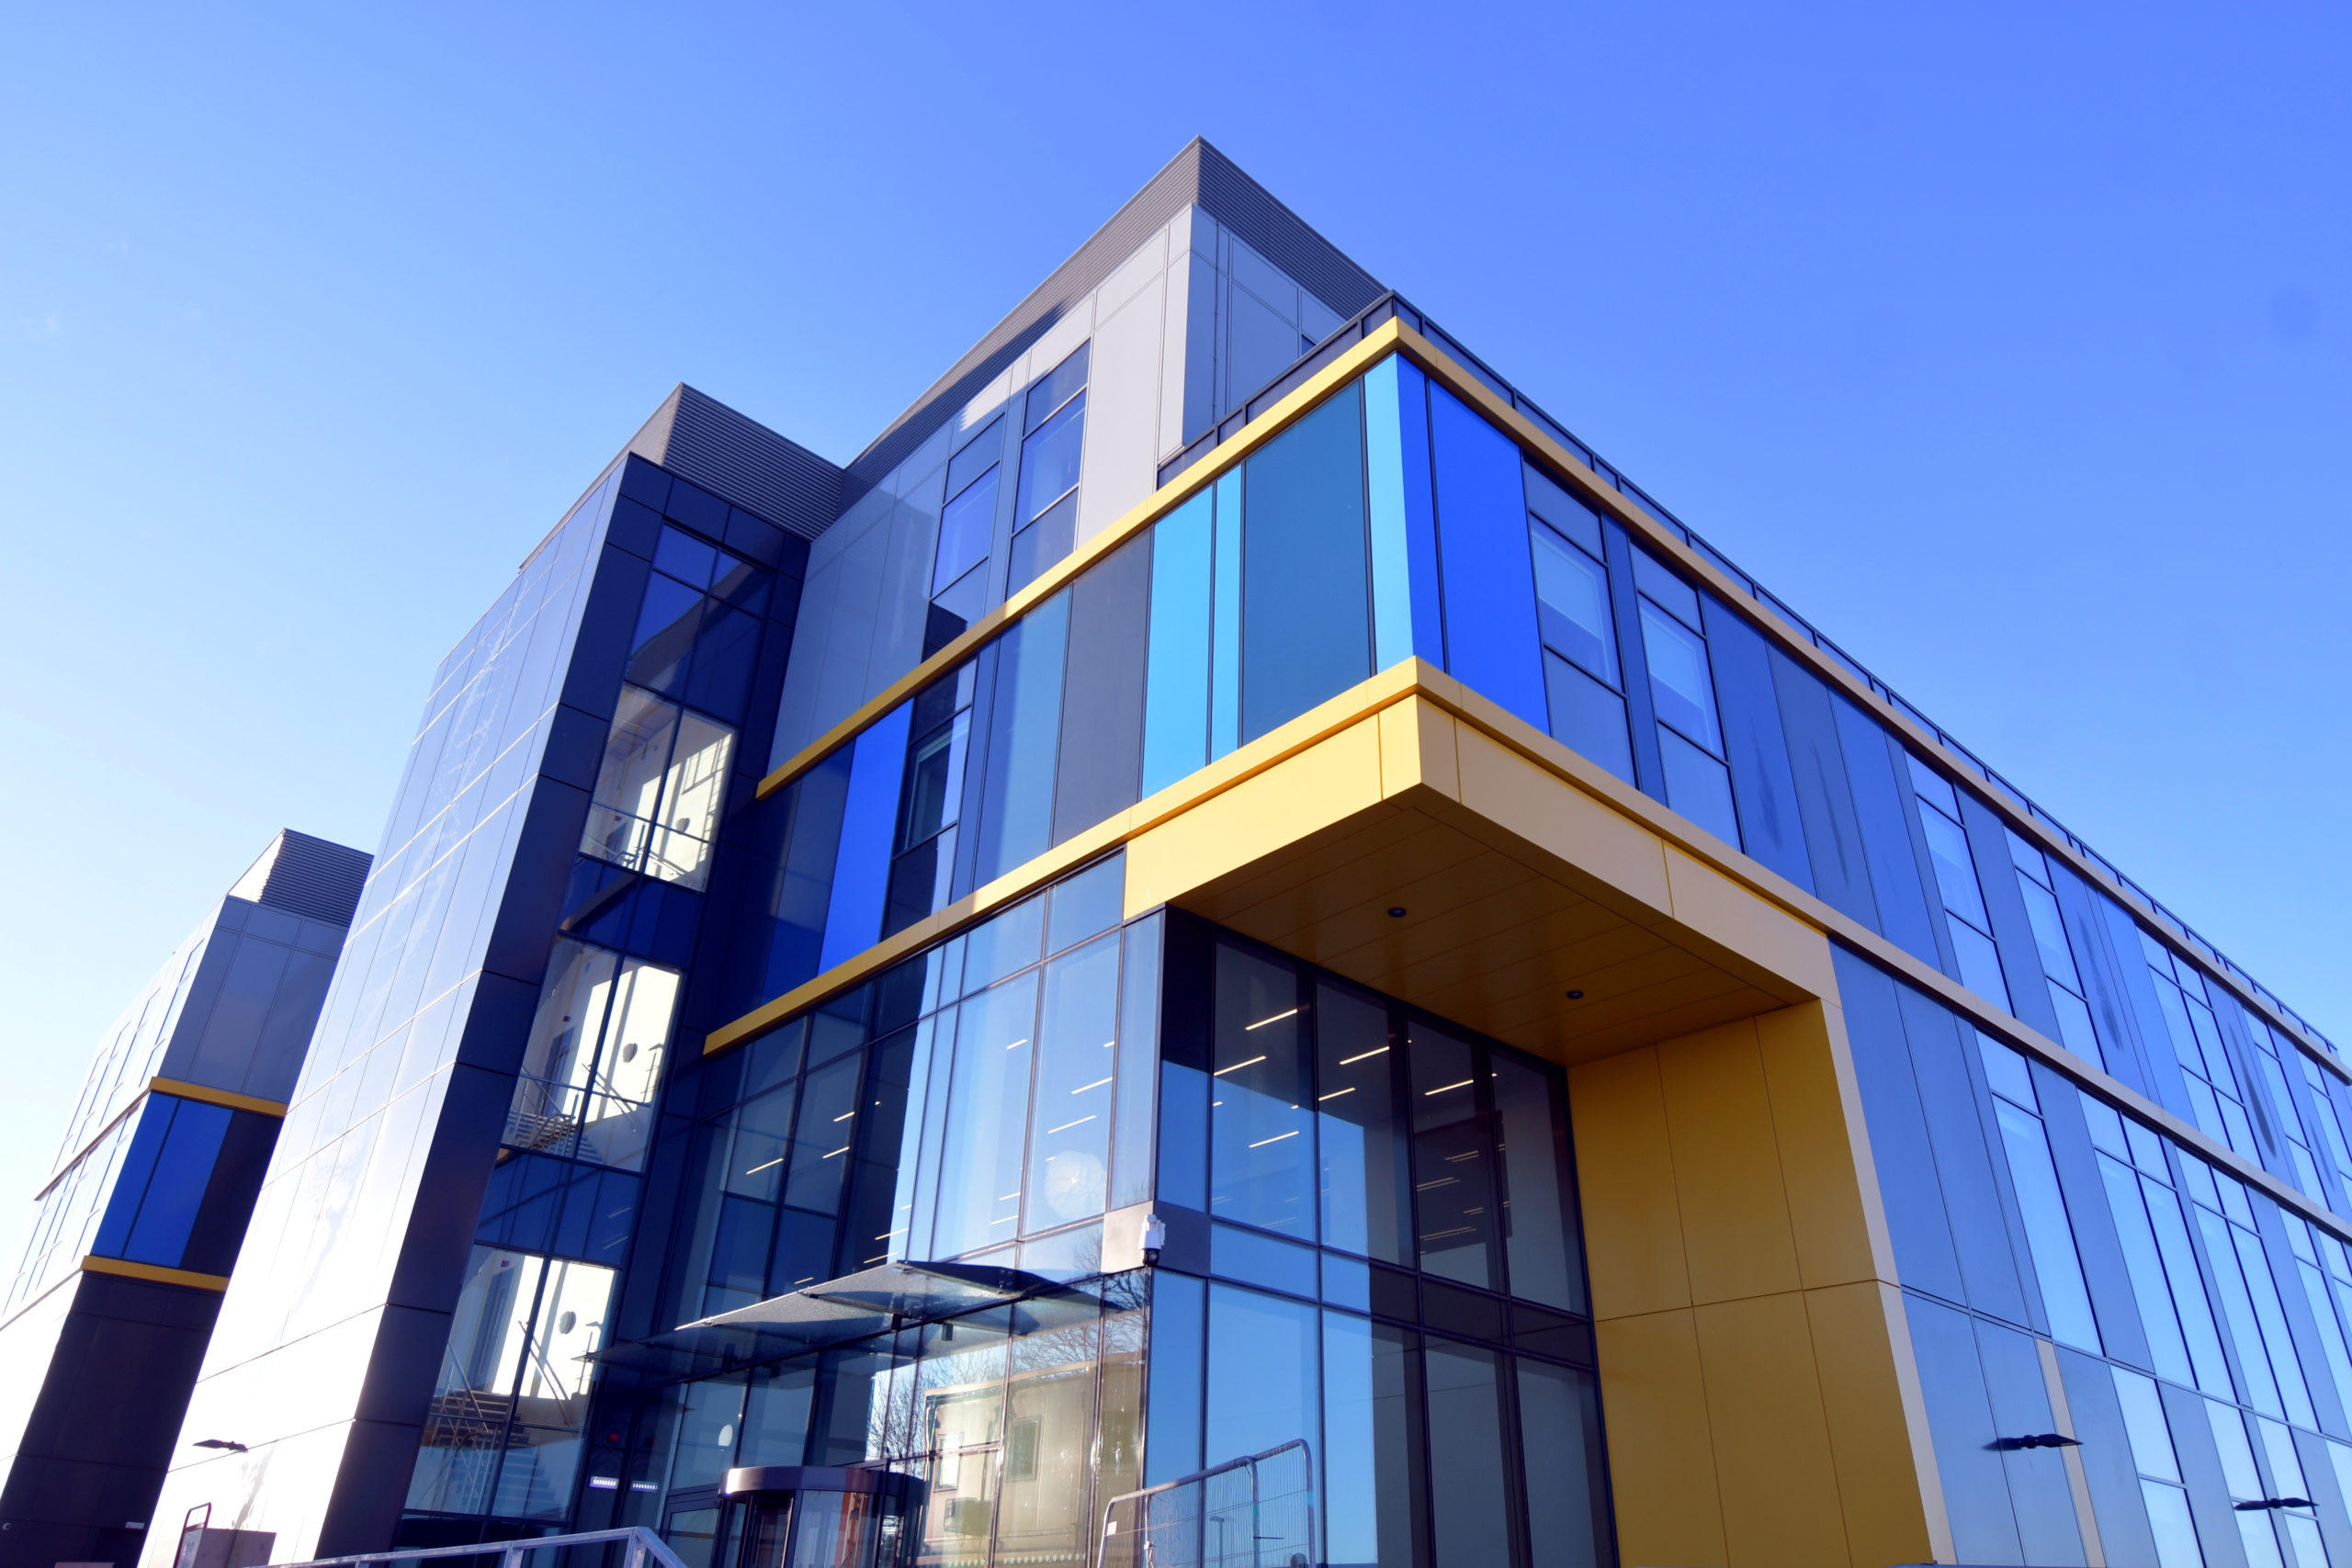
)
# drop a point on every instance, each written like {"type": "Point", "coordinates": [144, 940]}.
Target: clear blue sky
{"type": "Point", "coordinates": [2013, 343]}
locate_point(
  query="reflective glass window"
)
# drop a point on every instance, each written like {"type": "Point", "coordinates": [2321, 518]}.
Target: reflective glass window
{"type": "Point", "coordinates": [1679, 682]}
{"type": "Point", "coordinates": [1366, 1186]}
{"type": "Point", "coordinates": [1375, 1502]}
{"type": "Point", "coordinates": [1024, 738]}
{"type": "Point", "coordinates": [1469, 1486]}
{"type": "Point", "coordinates": [1176, 679]}
{"type": "Point", "coordinates": [1572, 603]}
{"type": "Point", "coordinates": [2050, 1236]}
{"type": "Point", "coordinates": [1530, 1147]}
{"type": "Point", "coordinates": [2058, 966]}
{"type": "Point", "coordinates": [1307, 628]}
{"type": "Point", "coordinates": [594, 1058]}
{"type": "Point", "coordinates": [980, 1203]}
{"type": "Point", "coordinates": [1970, 926]}
{"type": "Point", "coordinates": [505, 1429]}
{"type": "Point", "coordinates": [658, 790]}
{"type": "Point", "coordinates": [1262, 1384]}
{"type": "Point", "coordinates": [969, 519]}
{"type": "Point", "coordinates": [2160, 1483]}
{"type": "Point", "coordinates": [1069, 1143]}
{"type": "Point", "coordinates": [1262, 1167]}
{"type": "Point", "coordinates": [1567, 1495]}
{"type": "Point", "coordinates": [1453, 1186]}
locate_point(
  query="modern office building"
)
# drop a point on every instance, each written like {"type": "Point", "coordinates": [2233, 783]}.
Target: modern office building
{"type": "Point", "coordinates": [1229, 948]}
{"type": "Point", "coordinates": [136, 1228]}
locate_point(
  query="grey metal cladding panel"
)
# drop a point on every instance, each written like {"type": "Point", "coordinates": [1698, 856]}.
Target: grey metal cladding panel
{"type": "Point", "coordinates": [1199, 175]}
{"type": "Point", "coordinates": [738, 458]}
{"type": "Point", "coordinates": [1275, 231]}
{"type": "Point", "coordinates": [316, 877]}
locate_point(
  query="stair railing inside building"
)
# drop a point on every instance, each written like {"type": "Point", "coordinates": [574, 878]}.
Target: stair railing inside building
{"type": "Point", "coordinates": [634, 1547]}
{"type": "Point", "coordinates": [1257, 1512]}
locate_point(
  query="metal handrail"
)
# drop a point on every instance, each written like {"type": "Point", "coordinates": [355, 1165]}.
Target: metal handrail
{"type": "Point", "coordinates": [647, 1551]}
{"type": "Point", "coordinates": [1198, 1478]}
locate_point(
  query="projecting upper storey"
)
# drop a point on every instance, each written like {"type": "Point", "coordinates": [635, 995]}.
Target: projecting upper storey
{"type": "Point", "coordinates": [1198, 292]}
{"type": "Point", "coordinates": [1389, 506]}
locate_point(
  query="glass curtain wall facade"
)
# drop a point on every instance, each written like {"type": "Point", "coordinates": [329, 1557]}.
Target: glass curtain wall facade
{"type": "Point", "coordinates": [895, 1110]}
{"type": "Point", "coordinates": [1373, 1250]}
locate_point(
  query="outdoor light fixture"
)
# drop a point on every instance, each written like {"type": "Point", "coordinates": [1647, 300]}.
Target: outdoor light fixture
{"type": "Point", "coordinates": [1397, 912]}
{"type": "Point", "coordinates": [222, 1443]}
{"type": "Point", "coordinates": [2036, 1440]}
{"type": "Point", "coordinates": [2261, 1503]}
{"type": "Point", "coordinates": [1575, 996]}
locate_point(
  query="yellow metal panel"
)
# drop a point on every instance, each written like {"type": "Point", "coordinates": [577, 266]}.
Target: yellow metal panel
{"type": "Point", "coordinates": [1714, 904]}
{"type": "Point", "coordinates": [154, 1274]}
{"type": "Point", "coordinates": [1726, 1166]}
{"type": "Point", "coordinates": [1878, 1427]}
{"type": "Point", "coordinates": [1416, 747]}
{"type": "Point", "coordinates": [1633, 1225]}
{"type": "Point", "coordinates": [1308, 792]}
{"type": "Point", "coordinates": [211, 1096]}
{"type": "Point", "coordinates": [1777, 1480]}
{"type": "Point", "coordinates": [1661, 1464]}
{"type": "Point", "coordinates": [1819, 1138]}
{"type": "Point", "coordinates": [1512, 792]}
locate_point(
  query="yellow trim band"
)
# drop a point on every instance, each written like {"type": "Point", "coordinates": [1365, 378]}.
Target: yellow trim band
{"type": "Point", "coordinates": [1535, 441]}
{"type": "Point", "coordinates": [210, 1096]}
{"type": "Point", "coordinates": [154, 1274]}
{"type": "Point", "coordinates": [1413, 678]}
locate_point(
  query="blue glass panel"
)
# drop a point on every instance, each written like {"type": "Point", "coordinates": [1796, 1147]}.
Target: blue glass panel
{"type": "Point", "coordinates": [1049, 391]}
{"type": "Point", "coordinates": [1374, 1498]}
{"type": "Point", "coordinates": [1179, 1323]}
{"type": "Point", "coordinates": [1697, 787]}
{"type": "Point", "coordinates": [1469, 1487]}
{"type": "Point", "coordinates": [1572, 603]}
{"type": "Point", "coordinates": [1256, 1258]}
{"type": "Point", "coordinates": [1898, 1129]}
{"type": "Point", "coordinates": [965, 524]}
{"type": "Point", "coordinates": [685, 558]}
{"type": "Point", "coordinates": [1491, 641]}
{"type": "Point", "coordinates": [1959, 1421]}
{"type": "Point", "coordinates": [1225, 637]}
{"type": "Point", "coordinates": [1070, 1137]}
{"type": "Point", "coordinates": [2048, 1236]}
{"type": "Point", "coordinates": [131, 1177]}
{"type": "Point", "coordinates": [1565, 1486]}
{"type": "Point", "coordinates": [183, 1171]}
{"type": "Point", "coordinates": [1956, 1132]}
{"type": "Point", "coordinates": [1262, 1384]}
{"type": "Point", "coordinates": [979, 1201]}
{"type": "Point", "coordinates": [1404, 613]}
{"type": "Point", "coordinates": [1884, 820]}
{"type": "Point", "coordinates": [1049, 456]}
{"type": "Point", "coordinates": [1176, 679]}
{"type": "Point", "coordinates": [1081, 906]}
{"type": "Point", "coordinates": [1017, 804]}
{"type": "Point", "coordinates": [2047, 1528]}
{"type": "Point", "coordinates": [1306, 632]}
{"type": "Point", "coordinates": [1183, 1136]}
{"type": "Point", "coordinates": [1587, 717]}
{"type": "Point", "coordinates": [1131, 1143]}
{"type": "Point", "coordinates": [1681, 685]}
{"type": "Point", "coordinates": [1833, 838]}
{"type": "Point", "coordinates": [1263, 1165]}
{"type": "Point", "coordinates": [2107, 1456]}
{"type": "Point", "coordinates": [1771, 826]}
{"type": "Point", "coordinates": [869, 816]}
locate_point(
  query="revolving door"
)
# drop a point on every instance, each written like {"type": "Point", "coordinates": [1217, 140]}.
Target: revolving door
{"type": "Point", "coordinates": [815, 1517]}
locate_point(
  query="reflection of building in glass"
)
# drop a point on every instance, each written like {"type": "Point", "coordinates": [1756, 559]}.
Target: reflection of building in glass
{"type": "Point", "coordinates": [138, 1226]}
{"type": "Point", "coordinates": [1206, 954]}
